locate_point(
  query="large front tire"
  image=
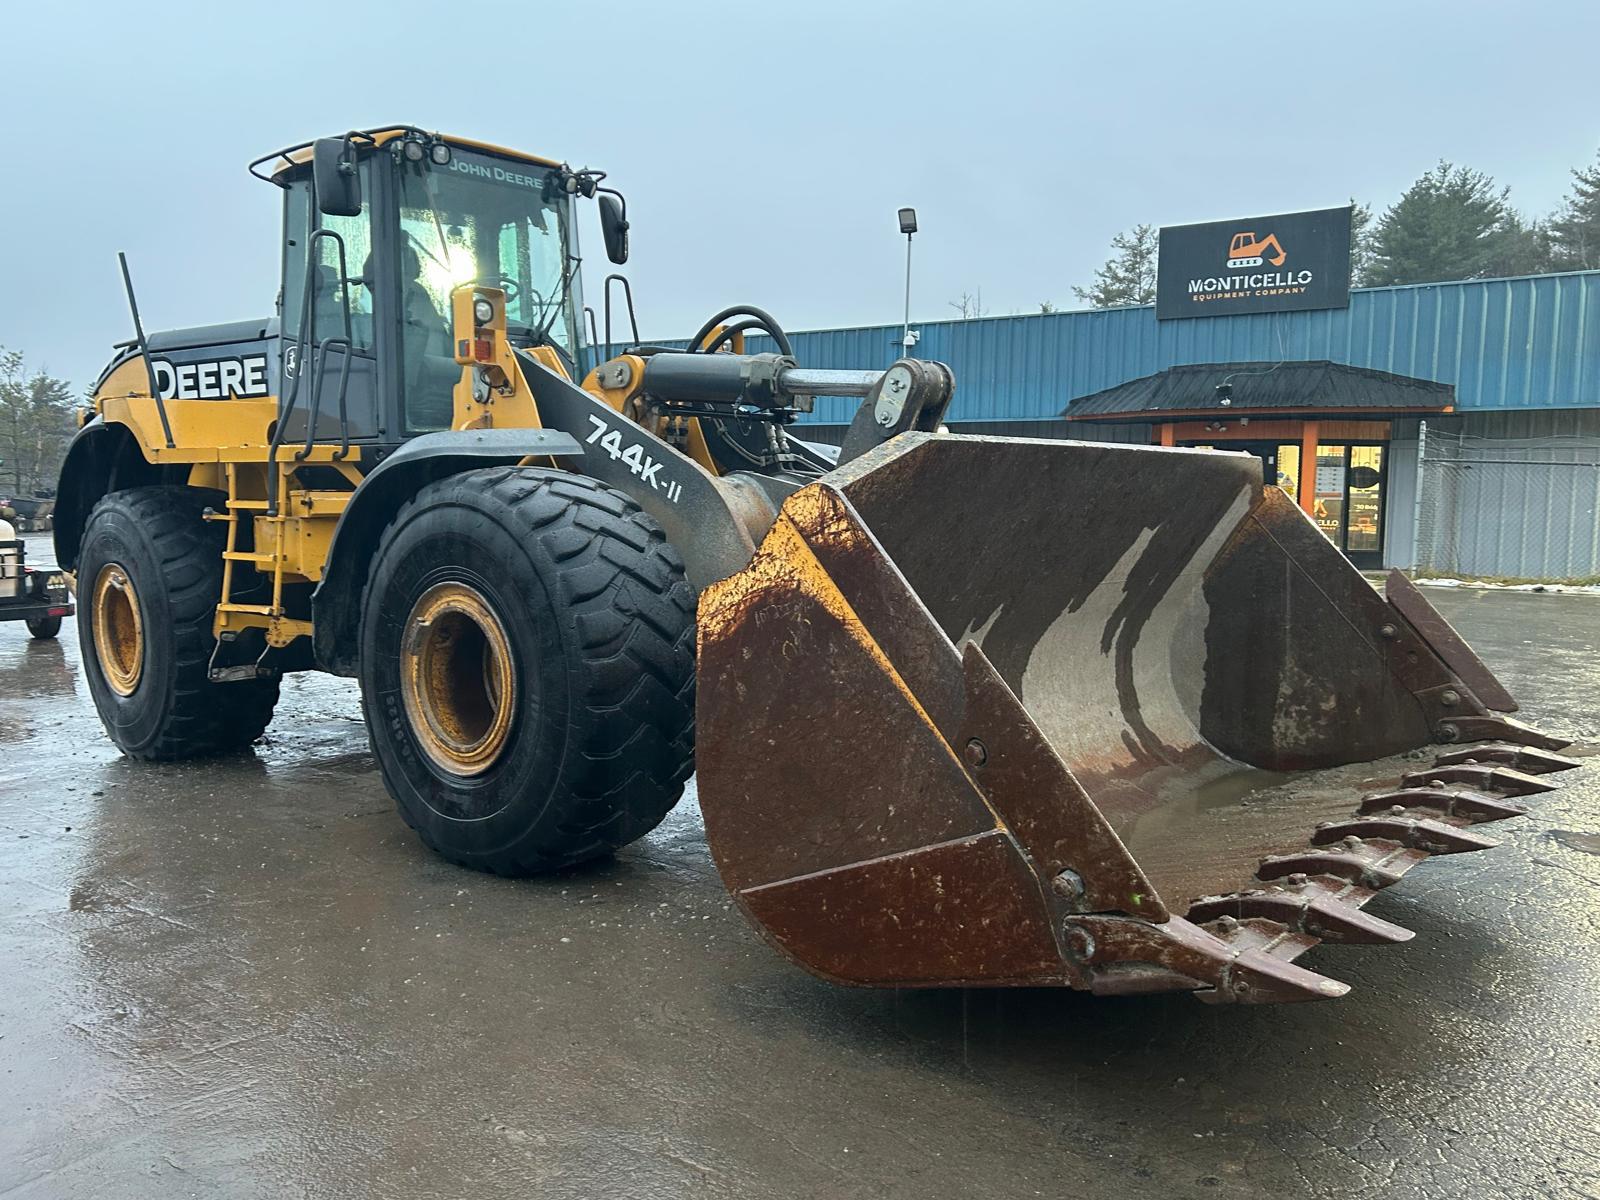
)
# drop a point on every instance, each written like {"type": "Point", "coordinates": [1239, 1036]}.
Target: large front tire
{"type": "Point", "coordinates": [527, 669]}
{"type": "Point", "coordinates": [149, 577]}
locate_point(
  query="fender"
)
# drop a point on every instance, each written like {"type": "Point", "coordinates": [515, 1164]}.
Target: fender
{"type": "Point", "coordinates": [102, 457]}
{"type": "Point", "coordinates": [336, 603]}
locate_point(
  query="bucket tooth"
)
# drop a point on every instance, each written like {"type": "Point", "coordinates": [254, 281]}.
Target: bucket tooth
{"type": "Point", "coordinates": [1375, 865]}
{"type": "Point", "coordinates": [1459, 804]}
{"type": "Point", "coordinates": [1313, 908]}
{"type": "Point", "coordinates": [1180, 949]}
{"type": "Point", "coordinates": [1498, 729]}
{"type": "Point", "coordinates": [1262, 935]}
{"type": "Point", "coordinates": [1413, 832]}
{"type": "Point", "coordinates": [1485, 777]}
{"type": "Point", "coordinates": [1528, 759]}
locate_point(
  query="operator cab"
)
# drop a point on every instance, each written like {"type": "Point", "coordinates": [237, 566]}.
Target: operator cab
{"type": "Point", "coordinates": [379, 228]}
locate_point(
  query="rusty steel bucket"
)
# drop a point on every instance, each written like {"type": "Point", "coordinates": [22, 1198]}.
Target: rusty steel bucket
{"type": "Point", "coordinates": [995, 711]}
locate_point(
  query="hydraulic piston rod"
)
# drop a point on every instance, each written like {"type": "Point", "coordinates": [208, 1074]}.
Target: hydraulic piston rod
{"type": "Point", "coordinates": [815, 381]}
{"type": "Point", "coordinates": [763, 380]}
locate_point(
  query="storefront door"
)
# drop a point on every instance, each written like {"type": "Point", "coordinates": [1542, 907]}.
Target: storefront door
{"type": "Point", "coordinates": [1350, 487]}
{"type": "Point", "coordinates": [1349, 501]}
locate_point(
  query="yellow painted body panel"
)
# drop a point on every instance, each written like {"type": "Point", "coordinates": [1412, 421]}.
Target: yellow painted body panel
{"type": "Point", "coordinates": [683, 432]}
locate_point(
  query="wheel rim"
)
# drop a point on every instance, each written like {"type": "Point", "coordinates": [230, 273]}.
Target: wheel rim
{"type": "Point", "coordinates": [457, 678]}
{"type": "Point", "coordinates": [118, 629]}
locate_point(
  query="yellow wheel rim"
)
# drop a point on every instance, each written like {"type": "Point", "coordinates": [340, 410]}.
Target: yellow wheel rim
{"type": "Point", "coordinates": [118, 629]}
{"type": "Point", "coordinates": [457, 678]}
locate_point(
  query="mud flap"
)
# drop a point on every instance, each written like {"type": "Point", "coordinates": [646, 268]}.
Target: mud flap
{"type": "Point", "coordinates": [999, 711]}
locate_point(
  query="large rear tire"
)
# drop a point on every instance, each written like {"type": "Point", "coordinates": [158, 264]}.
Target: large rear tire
{"type": "Point", "coordinates": [149, 578]}
{"type": "Point", "coordinates": [527, 669]}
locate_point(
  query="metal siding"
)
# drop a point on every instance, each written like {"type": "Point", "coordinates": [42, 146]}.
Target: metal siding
{"type": "Point", "coordinates": [1512, 494]}
{"type": "Point", "coordinates": [1400, 496]}
{"type": "Point", "coordinates": [1506, 344]}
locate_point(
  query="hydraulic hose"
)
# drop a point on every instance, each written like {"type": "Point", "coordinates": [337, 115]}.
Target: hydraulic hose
{"type": "Point", "coordinates": [763, 320]}
{"type": "Point", "coordinates": [727, 333]}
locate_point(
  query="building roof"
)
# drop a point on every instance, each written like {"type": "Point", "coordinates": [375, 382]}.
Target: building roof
{"type": "Point", "coordinates": [1306, 386]}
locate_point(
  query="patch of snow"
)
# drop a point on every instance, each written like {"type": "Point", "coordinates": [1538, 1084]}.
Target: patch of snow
{"type": "Point", "coordinates": [1586, 589]}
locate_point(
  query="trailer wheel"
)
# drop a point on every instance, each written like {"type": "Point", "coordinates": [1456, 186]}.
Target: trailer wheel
{"type": "Point", "coordinates": [149, 578]}
{"type": "Point", "coordinates": [44, 628]}
{"type": "Point", "coordinates": [527, 669]}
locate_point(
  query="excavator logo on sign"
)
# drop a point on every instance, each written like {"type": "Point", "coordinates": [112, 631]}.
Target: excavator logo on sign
{"type": "Point", "coordinates": [1249, 251]}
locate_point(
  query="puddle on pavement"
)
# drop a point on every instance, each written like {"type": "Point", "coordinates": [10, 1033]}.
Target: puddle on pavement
{"type": "Point", "coordinates": [1587, 843]}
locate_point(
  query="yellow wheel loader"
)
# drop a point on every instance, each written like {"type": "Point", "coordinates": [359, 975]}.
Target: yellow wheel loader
{"type": "Point", "coordinates": [968, 710]}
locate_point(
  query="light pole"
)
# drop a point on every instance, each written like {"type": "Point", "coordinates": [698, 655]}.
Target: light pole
{"type": "Point", "coordinates": [908, 226]}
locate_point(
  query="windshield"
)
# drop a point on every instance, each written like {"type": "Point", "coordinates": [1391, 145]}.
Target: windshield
{"type": "Point", "coordinates": [486, 220]}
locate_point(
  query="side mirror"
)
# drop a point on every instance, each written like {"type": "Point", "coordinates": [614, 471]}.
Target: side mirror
{"type": "Point", "coordinates": [614, 226]}
{"type": "Point", "coordinates": [333, 171]}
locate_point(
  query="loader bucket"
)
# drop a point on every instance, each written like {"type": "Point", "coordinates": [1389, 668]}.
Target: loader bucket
{"type": "Point", "coordinates": [993, 711]}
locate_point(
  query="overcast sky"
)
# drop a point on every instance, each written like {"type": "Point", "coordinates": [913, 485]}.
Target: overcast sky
{"type": "Point", "coordinates": [763, 148]}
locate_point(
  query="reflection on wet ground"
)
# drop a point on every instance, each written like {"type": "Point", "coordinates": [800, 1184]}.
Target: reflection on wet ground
{"type": "Point", "coordinates": [245, 978]}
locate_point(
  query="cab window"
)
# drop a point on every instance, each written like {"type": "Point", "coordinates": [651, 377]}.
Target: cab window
{"type": "Point", "coordinates": [485, 220]}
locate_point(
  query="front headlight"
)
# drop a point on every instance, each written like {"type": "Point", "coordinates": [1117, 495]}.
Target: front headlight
{"type": "Point", "coordinates": [482, 311]}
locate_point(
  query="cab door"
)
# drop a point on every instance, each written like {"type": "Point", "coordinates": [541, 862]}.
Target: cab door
{"type": "Point", "coordinates": [331, 307]}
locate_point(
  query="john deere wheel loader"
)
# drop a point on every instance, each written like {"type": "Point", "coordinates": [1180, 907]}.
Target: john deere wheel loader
{"type": "Point", "coordinates": [969, 710]}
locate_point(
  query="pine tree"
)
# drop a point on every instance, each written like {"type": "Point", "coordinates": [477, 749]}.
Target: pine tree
{"type": "Point", "coordinates": [1129, 275]}
{"type": "Point", "coordinates": [1575, 229]}
{"type": "Point", "coordinates": [35, 424]}
{"type": "Point", "coordinates": [1361, 243]}
{"type": "Point", "coordinates": [1453, 223]}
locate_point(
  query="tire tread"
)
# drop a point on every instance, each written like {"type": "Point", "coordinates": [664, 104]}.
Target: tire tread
{"type": "Point", "coordinates": [205, 717]}
{"type": "Point", "coordinates": [631, 615]}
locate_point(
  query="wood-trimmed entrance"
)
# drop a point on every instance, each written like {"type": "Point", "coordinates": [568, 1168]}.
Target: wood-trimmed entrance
{"type": "Point", "coordinates": [1345, 491]}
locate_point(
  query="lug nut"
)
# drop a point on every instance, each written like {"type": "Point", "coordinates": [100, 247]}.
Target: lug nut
{"type": "Point", "coordinates": [1388, 632]}
{"type": "Point", "coordinates": [976, 753]}
{"type": "Point", "coordinates": [1450, 698]}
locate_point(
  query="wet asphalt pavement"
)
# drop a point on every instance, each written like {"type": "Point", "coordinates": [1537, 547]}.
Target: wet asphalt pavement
{"type": "Point", "coordinates": [245, 978]}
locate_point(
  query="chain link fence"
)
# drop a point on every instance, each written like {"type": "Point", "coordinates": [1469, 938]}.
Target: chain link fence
{"type": "Point", "coordinates": [1508, 508]}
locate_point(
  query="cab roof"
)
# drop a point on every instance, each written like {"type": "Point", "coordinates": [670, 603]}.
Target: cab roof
{"type": "Point", "coordinates": [293, 156]}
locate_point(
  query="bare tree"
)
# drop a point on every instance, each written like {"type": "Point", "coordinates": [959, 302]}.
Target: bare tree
{"type": "Point", "coordinates": [970, 304]}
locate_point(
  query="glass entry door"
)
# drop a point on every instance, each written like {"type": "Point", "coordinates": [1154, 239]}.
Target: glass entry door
{"type": "Point", "coordinates": [1364, 488]}
{"type": "Point", "coordinates": [1349, 501]}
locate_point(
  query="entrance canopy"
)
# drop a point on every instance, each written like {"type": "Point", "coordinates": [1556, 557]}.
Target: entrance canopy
{"type": "Point", "coordinates": [1283, 389]}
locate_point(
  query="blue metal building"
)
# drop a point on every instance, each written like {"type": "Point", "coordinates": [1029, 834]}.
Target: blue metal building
{"type": "Point", "coordinates": [1522, 356]}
